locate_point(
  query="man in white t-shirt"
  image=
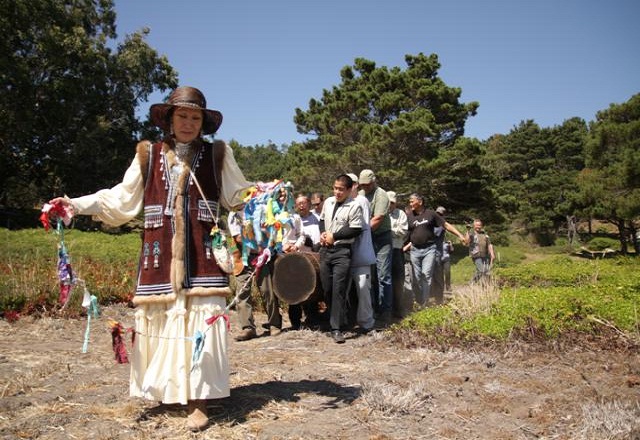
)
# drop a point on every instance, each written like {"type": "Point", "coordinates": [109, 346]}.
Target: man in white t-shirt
{"type": "Point", "coordinates": [362, 257]}
{"type": "Point", "coordinates": [310, 243]}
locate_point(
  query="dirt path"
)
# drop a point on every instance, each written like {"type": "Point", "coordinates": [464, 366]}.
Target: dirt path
{"type": "Point", "coordinates": [301, 385]}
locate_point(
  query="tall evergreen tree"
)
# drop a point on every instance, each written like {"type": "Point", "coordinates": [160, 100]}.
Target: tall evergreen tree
{"type": "Point", "coordinates": [261, 162]}
{"type": "Point", "coordinates": [536, 170]}
{"type": "Point", "coordinates": [67, 100]}
{"type": "Point", "coordinates": [391, 120]}
{"type": "Point", "coordinates": [610, 183]}
{"type": "Point", "coordinates": [458, 181]}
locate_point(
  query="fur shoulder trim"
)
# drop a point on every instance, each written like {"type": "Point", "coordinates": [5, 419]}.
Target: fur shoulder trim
{"type": "Point", "coordinates": [143, 149]}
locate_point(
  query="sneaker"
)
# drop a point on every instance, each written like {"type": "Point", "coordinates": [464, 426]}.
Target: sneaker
{"type": "Point", "coordinates": [364, 330]}
{"type": "Point", "coordinates": [337, 336]}
{"type": "Point", "coordinates": [246, 334]}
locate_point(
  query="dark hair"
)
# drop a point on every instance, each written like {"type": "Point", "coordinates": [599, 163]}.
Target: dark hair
{"type": "Point", "coordinates": [348, 182]}
{"type": "Point", "coordinates": [168, 120]}
{"type": "Point", "coordinates": [417, 196]}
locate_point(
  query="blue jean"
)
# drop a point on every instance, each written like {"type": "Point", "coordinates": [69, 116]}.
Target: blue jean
{"type": "Point", "coordinates": [482, 268]}
{"type": "Point", "coordinates": [423, 262]}
{"type": "Point", "coordinates": [383, 248]}
{"type": "Point", "coordinates": [446, 270]}
{"type": "Point", "coordinates": [401, 304]}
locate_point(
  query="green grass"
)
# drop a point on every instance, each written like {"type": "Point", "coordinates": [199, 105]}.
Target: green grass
{"type": "Point", "coordinates": [462, 267]}
{"type": "Point", "coordinates": [544, 299]}
{"type": "Point", "coordinates": [539, 292]}
{"type": "Point", "coordinates": [28, 267]}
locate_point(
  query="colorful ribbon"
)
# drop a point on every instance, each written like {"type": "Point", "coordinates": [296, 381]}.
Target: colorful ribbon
{"type": "Point", "coordinates": [117, 341]}
{"type": "Point", "coordinates": [267, 218]}
{"type": "Point", "coordinates": [66, 276]}
{"type": "Point", "coordinates": [90, 302]}
{"type": "Point", "coordinates": [55, 211]}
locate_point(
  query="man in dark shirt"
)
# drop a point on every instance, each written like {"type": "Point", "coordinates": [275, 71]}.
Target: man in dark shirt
{"type": "Point", "coordinates": [422, 244]}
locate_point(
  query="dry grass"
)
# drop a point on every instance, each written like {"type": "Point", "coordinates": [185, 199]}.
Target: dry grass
{"type": "Point", "coordinates": [24, 382]}
{"type": "Point", "coordinates": [475, 299]}
{"type": "Point", "coordinates": [22, 281]}
{"type": "Point", "coordinates": [301, 385]}
{"type": "Point", "coordinates": [392, 399]}
{"type": "Point", "coordinates": [610, 420]}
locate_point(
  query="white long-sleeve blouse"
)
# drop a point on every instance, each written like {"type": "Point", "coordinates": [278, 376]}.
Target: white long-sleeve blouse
{"type": "Point", "coordinates": [118, 205]}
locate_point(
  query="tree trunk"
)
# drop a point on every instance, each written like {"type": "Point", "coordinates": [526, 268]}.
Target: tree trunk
{"type": "Point", "coordinates": [634, 237]}
{"type": "Point", "coordinates": [623, 235]}
{"type": "Point", "coordinates": [571, 228]}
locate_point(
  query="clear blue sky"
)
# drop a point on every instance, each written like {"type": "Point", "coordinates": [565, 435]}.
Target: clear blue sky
{"type": "Point", "coordinates": [257, 60]}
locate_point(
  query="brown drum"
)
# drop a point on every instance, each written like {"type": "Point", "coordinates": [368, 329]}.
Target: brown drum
{"type": "Point", "coordinates": [296, 277]}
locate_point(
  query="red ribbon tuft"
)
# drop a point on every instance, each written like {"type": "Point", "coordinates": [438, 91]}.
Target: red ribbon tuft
{"type": "Point", "coordinates": [119, 348]}
{"type": "Point", "coordinates": [213, 319]}
{"type": "Point", "coordinates": [53, 211]}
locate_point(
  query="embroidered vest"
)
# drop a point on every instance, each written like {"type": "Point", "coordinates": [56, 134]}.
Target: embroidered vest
{"type": "Point", "coordinates": [176, 255]}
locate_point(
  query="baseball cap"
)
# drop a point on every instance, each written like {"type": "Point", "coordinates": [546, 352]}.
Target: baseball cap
{"type": "Point", "coordinates": [366, 176]}
{"type": "Point", "coordinates": [392, 196]}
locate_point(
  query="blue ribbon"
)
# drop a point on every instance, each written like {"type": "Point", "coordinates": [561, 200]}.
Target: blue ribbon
{"type": "Point", "coordinates": [94, 311]}
{"type": "Point", "coordinates": [198, 345]}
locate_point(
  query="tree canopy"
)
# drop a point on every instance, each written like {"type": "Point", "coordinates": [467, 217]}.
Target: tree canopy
{"type": "Point", "coordinates": [69, 90]}
{"type": "Point", "coordinates": [391, 120]}
{"type": "Point", "coordinates": [534, 171]}
{"type": "Point", "coordinates": [610, 183]}
{"type": "Point", "coordinates": [67, 100]}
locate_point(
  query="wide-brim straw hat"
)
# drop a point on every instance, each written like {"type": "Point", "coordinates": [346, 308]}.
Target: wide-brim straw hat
{"type": "Point", "coordinates": [188, 97]}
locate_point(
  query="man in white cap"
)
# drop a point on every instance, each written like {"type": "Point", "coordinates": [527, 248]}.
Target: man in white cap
{"type": "Point", "coordinates": [362, 258]}
{"type": "Point", "coordinates": [382, 243]}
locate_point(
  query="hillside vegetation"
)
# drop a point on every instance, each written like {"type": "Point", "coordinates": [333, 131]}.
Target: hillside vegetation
{"type": "Point", "coordinates": [539, 294]}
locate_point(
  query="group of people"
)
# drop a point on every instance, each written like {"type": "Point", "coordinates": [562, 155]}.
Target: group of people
{"type": "Point", "coordinates": [367, 249]}
{"type": "Point", "coordinates": [180, 183]}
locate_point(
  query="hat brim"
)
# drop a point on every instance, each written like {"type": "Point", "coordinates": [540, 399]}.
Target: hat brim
{"type": "Point", "coordinates": [159, 112]}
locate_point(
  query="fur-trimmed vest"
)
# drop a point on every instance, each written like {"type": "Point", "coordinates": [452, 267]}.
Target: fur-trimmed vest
{"type": "Point", "coordinates": [176, 256]}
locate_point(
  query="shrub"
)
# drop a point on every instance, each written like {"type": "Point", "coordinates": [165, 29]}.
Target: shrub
{"type": "Point", "coordinates": [602, 243]}
{"type": "Point", "coordinates": [28, 270]}
{"type": "Point", "coordinates": [544, 299]}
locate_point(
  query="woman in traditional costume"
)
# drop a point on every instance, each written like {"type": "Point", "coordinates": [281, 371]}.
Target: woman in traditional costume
{"type": "Point", "coordinates": [180, 183]}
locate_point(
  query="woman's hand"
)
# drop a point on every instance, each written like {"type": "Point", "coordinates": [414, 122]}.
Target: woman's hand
{"type": "Point", "coordinates": [60, 207]}
{"type": "Point", "coordinates": [64, 201]}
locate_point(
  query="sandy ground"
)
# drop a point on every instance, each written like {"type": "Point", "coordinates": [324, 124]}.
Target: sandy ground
{"type": "Point", "coordinates": [301, 385]}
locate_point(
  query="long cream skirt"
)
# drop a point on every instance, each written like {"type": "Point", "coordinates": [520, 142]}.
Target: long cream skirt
{"type": "Point", "coordinates": [161, 362]}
